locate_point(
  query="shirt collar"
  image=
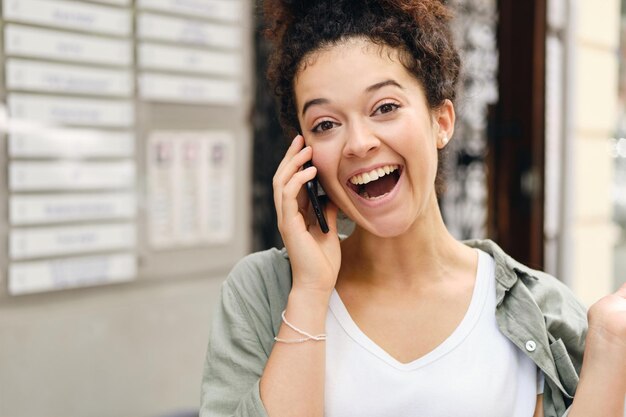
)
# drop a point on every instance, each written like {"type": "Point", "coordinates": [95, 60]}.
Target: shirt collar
{"type": "Point", "coordinates": [508, 270]}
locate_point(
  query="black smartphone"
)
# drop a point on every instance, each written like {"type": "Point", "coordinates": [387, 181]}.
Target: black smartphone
{"type": "Point", "coordinates": [312, 189]}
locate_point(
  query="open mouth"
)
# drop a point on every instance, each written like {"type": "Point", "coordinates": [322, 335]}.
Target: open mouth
{"type": "Point", "coordinates": [376, 183]}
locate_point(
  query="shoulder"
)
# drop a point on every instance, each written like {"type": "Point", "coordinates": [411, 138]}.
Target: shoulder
{"type": "Point", "coordinates": [561, 311]}
{"type": "Point", "coordinates": [564, 314]}
{"type": "Point", "coordinates": [546, 290]}
{"type": "Point", "coordinates": [260, 268]}
{"type": "Point", "coordinates": [261, 282]}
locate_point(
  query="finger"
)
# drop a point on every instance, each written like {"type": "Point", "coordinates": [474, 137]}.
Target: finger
{"type": "Point", "coordinates": [290, 206]}
{"type": "Point", "coordinates": [293, 165]}
{"type": "Point", "coordinates": [303, 199]}
{"type": "Point", "coordinates": [286, 173]}
{"type": "Point", "coordinates": [296, 145]}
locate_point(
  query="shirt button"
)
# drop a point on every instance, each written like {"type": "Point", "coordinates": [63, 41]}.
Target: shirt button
{"type": "Point", "coordinates": [531, 346]}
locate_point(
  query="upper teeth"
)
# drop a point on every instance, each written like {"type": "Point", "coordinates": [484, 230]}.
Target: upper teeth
{"type": "Point", "coordinates": [373, 175]}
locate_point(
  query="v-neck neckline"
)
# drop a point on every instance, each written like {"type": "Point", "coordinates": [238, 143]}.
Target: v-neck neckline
{"type": "Point", "coordinates": [463, 329]}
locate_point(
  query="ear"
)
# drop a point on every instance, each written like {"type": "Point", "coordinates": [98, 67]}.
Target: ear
{"type": "Point", "coordinates": [444, 118]}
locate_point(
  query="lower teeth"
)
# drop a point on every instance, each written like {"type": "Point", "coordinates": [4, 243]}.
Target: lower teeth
{"type": "Point", "coordinates": [367, 196]}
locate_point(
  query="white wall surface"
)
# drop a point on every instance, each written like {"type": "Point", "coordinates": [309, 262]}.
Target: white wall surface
{"type": "Point", "coordinates": [114, 351]}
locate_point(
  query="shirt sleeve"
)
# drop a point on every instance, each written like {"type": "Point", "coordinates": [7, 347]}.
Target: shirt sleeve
{"type": "Point", "coordinates": [566, 322]}
{"type": "Point", "coordinates": [234, 363]}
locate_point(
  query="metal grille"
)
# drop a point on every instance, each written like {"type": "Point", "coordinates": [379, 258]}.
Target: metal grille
{"type": "Point", "coordinates": [464, 203]}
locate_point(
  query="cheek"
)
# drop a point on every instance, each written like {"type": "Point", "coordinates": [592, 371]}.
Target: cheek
{"type": "Point", "coordinates": [326, 153]}
{"type": "Point", "coordinates": [325, 159]}
{"type": "Point", "coordinates": [416, 146]}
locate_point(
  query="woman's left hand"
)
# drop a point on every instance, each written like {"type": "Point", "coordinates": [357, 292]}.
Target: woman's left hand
{"type": "Point", "coordinates": [607, 323]}
{"type": "Point", "coordinates": [602, 384]}
{"type": "Point", "coordinates": [605, 345]}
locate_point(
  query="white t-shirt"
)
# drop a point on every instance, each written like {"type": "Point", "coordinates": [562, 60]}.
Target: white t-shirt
{"type": "Point", "coordinates": [475, 372]}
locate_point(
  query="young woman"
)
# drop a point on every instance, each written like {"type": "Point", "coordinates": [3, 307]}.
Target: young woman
{"type": "Point", "coordinates": [399, 318]}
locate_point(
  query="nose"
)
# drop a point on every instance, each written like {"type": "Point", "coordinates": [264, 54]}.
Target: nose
{"type": "Point", "coordinates": [360, 141]}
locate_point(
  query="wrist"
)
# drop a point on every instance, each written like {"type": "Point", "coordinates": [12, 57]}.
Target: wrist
{"type": "Point", "coordinates": [311, 299]}
{"type": "Point", "coordinates": [306, 310]}
{"type": "Point", "coordinates": [604, 361]}
{"type": "Point", "coordinates": [600, 391]}
{"type": "Point", "coordinates": [603, 347]}
{"type": "Point", "coordinates": [602, 334]}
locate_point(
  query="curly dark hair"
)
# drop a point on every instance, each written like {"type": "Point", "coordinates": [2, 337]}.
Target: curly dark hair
{"type": "Point", "coordinates": [418, 29]}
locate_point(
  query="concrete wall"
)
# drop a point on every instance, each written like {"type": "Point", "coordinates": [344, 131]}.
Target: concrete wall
{"type": "Point", "coordinates": [135, 349]}
{"type": "Point", "coordinates": [126, 350]}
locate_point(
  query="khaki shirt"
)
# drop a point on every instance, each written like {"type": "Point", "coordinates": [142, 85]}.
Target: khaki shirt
{"type": "Point", "coordinates": [538, 313]}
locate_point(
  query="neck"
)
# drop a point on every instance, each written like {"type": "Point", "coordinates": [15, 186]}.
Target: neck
{"type": "Point", "coordinates": [424, 255]}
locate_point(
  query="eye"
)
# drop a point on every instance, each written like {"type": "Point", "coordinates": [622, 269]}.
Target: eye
{"type": "Point", "coordinates": [323, 126]}
{"type": "Point", "coordinates": [386, 108]}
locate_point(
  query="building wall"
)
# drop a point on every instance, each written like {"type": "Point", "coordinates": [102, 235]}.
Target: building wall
{"type": "Point", "coordinates": [135, 348]}
{"type": "Point", "coordinates": [595, 94]}
{"type": "Point", "coordinates": [118, 351]}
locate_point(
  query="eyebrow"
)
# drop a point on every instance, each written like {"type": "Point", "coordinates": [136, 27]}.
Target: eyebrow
{"type": "Point", "coordinates": [371, 88]}
{"type": "Point", "coordinates": [382, 84]}
{"type": "Point", "coordinates": [315, 101]}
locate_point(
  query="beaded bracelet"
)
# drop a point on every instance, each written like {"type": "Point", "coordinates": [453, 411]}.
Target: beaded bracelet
{"type": "Point", "coordinates": [319, 337]}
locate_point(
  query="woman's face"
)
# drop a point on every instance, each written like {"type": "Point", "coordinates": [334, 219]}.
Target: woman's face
{"type": "Point", "coordinates": [373, 135]}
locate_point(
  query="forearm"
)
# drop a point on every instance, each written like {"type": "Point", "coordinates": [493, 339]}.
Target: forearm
{"type": "Point", "coordinates": [292, 383]}
{"type": "Point", "coordinates": [602, 387]}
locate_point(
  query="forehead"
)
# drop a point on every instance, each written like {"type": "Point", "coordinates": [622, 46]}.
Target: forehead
{"type": "Point", "coordinates": [348, 48]}
{"type": "Point", "coordinates": [349, 66]}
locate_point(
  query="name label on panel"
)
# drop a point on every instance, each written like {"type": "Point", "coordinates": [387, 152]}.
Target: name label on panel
{"type": "Point", "coordinates": [71, 143]}
{"type": "Point", "coordinates": [175, 89]}
{"type": "Point", "coordinates": [51, 44]}
{"type": "Point", "coordinates": [63, 240]}
{"type": "Point", "coordinates": [161, 188]}
{"type": "Point", "coordinates": [188, 216]}
{"type": "Point", "coordinates": [229, 10]}
{"type": "Point", "coordinates": [115, 2]}
{"type": "Point", "coordinates": [220, 187]}
{"type": "Point", "coordinates": [182, 59]}
{"type": "Point", "coordinates": [71, 111]}
{"type": "Point", "coordinates": [70, 15]}
{"type": "Point", "coordinates": [58, 78]}
{"type": "Point", "coordinates": [54, 208]}
{"type": "Point", "coordinates": [190, 183]}
{"type": "Point", "coordinates": [172, 29]}
{"type": "Point", "coordinates": [56, 274]}
{"type": "Point", "coordinates": [33, 176]}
